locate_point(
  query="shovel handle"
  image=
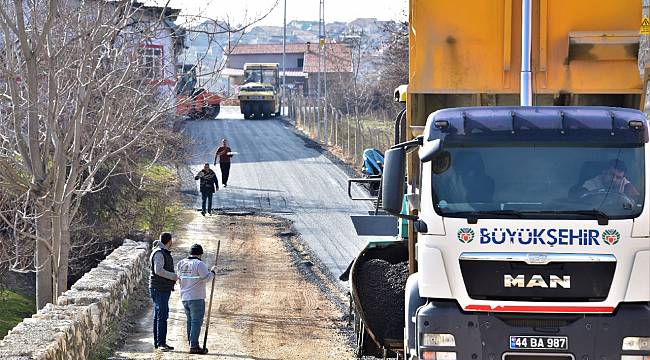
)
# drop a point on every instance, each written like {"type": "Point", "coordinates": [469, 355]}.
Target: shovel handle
{"type": "Point", "coordinates": [207, 321]}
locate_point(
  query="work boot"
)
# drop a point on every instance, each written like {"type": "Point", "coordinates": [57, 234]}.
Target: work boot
{"type": "Point", "coordinates": [203, 213]}
{"type": "Point", "coordinates": [165, 347]}
{"type": "Point", "coordinates": [200, 351]}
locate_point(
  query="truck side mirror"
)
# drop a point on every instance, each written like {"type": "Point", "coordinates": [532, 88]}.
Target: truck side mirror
{"type": "Point", "coordinates": [429, 150]}
{"type": "Point", "coordinates": [392, 180]}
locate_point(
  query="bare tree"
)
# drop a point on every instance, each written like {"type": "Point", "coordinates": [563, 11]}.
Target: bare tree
{"type": "Point", "coordinates": [222, 35]}
{"type": "Point", "coordinates": [393, 67]}
{"type": "Point", "coordinates": [76, 93]}
{"type": "Point", "coordinates": [377, 70]}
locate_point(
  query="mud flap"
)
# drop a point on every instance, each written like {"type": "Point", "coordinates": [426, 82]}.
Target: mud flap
{"type": "Point", "coordinates": [412, 303]}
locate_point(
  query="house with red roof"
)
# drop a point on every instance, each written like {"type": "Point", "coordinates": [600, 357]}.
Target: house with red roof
{"type": "Point", "coordinates": [302, 64]}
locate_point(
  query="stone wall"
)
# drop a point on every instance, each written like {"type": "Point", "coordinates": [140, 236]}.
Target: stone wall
{"type": "Point", "coordinates": [70, 329]}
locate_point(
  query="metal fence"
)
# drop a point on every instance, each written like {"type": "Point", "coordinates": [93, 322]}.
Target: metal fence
{"type": "Point", "coordinates": [346, 134]}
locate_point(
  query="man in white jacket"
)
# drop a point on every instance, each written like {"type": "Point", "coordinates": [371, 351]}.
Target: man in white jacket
{"type": "Point", "coordinates": [194, 274]}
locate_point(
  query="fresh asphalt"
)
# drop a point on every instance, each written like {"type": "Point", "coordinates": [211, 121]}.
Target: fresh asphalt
{"type": "Point", "coordinates": [277, 171]}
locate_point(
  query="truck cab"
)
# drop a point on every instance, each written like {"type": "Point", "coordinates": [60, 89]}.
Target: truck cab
{"type": "Point", "coordinates": [259, 95]}
{"type": "Point", "coordinates": [528, 234]}
{"type": "Point", "coordinates": [534, 234]}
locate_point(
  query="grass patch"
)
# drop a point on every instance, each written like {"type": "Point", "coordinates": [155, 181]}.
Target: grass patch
{"type": "Point", "coordinates": [13, 309]}
{"type": "Point", "coordinates": [377, 124]}
{"type": "Point", "coordinates": [160, 208]}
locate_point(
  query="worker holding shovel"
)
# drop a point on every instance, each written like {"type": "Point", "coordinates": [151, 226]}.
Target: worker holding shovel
{"type": "Point", "coordinates": [194, 274]}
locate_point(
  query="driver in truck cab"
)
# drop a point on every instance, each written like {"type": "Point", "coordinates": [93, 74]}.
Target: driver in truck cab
{"type": "Point", "coordinates": [612, 178]}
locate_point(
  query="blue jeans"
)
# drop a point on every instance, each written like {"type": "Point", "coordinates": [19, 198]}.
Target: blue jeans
{"type": "Point", "coordinates": [194, 311]}
{"type": "Point", "coordinates": [206, 196]}
{"type": "Point", "coordinates": [160, 314]}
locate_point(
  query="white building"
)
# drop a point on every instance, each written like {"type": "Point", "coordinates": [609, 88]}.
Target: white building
{"type": "Point", "coordinates": [161, 44]}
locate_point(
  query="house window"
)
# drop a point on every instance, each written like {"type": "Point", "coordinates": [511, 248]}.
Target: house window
{"type": "Point", "coordinates": [301, 62]}
{"type": "Point", "coordinates": [151, 61]}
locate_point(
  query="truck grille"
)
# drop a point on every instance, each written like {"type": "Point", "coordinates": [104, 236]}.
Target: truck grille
{"type": "Point", "coordinates": [555, 281]}
{"type": "Point", "coordinates": [548, 321]}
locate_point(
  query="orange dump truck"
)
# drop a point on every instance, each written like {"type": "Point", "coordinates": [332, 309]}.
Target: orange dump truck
{"type": "Point", "coordinates": [527, 203]}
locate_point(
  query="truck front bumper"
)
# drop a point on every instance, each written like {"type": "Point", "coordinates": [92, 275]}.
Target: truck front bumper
{"type": "Point", "coordinates": [486, 335]}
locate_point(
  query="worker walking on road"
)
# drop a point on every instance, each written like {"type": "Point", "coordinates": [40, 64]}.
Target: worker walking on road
{"type": "Point", "coordinates": [194, 274]}
{"type": "Point", "coordinates": [209, 184]}
{"type": "Point", "coordinates": [161, 285]}
{"type": "Point", "coordinates": [223, 155]}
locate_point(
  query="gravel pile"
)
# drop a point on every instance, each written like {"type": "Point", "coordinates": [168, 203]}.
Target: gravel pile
{"type": "Point", "coordinates": [381, 291]}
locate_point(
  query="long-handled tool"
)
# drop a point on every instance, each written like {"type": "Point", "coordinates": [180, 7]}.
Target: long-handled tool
{"type": "Point", "coordinates": [207, 321]}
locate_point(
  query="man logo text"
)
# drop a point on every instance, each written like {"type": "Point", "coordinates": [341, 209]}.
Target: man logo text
{"type": "Point", "coordinates": [553, 282]}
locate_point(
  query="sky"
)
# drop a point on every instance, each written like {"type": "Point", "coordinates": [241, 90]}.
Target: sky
{"type": "Point", "coordinates": [335, 10]}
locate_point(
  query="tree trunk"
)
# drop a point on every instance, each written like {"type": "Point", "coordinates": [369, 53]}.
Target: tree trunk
{"type": "Point", "coordinates": [63, 250]}
{"type": "Point", "coordinates": [64, 259]}
{"type": "Point", "coordinates": [43, 259]}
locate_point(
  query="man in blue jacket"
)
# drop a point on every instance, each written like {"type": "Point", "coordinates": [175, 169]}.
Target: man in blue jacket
{"type": "Point", "coordinates": [194, 274]}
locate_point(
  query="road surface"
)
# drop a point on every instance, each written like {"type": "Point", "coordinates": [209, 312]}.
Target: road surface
{"type": "Point", "coordinates": [277, 171]}
{"type": "Point", "coordinates": [264, 308]}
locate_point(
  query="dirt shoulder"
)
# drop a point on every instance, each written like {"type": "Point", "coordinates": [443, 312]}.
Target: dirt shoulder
{"type": "Point", "coordinates": [263, 308]}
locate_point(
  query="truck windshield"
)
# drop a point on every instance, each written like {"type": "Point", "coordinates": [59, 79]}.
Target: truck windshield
{"type": "Point", "coordinates": [267, 76]}
{"type": "Point", "coordinates": [185, 85]}
{"type": "Point", "coordinates": [539, 181]}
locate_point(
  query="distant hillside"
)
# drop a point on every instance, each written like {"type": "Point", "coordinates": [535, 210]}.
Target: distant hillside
{"type": "Point", "coordinates": [211, 47]}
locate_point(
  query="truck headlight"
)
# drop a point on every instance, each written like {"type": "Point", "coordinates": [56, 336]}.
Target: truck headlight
{"type": "Point", "coordinates": [438, 340]}
{"type": "Point", "coordinates": [438, 355]}
{"type": "Point", "coordinates": [636, 343]}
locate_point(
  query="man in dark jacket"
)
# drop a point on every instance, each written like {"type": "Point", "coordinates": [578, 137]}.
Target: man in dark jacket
{"type": "Point", "coordinates": [223, 155]}
{"type": "Point", "coordinates": [161, 284]}
{"type": "Point", "coordinates": [208, 185]}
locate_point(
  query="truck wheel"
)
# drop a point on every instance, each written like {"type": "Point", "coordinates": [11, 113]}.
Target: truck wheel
{"type": "Point", "coordinates": [200, 115]}
{"type": "Point", "coordinates": [213, 111]}
{"type": "Point", "coordinates": [257, 109]}
{"type": "Point", "coordinates": [245, 109]}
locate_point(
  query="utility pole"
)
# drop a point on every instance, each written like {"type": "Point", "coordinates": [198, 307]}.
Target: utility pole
{"type": "Point", "coordinates": [324, 45]}
{"type": "Point", "coordinates": [319, 100]}
{"type": "Point", "coordinates": [228, 59]}
{"type": "Point", "coordinates": [284, 60]}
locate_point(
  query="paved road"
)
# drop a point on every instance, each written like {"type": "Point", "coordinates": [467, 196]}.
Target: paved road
{"type": "Point", "coordinates": [276, 171]}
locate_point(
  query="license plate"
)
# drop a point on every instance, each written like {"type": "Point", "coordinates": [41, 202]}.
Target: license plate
{"type": "Point", "coordinates": [539, 343]}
